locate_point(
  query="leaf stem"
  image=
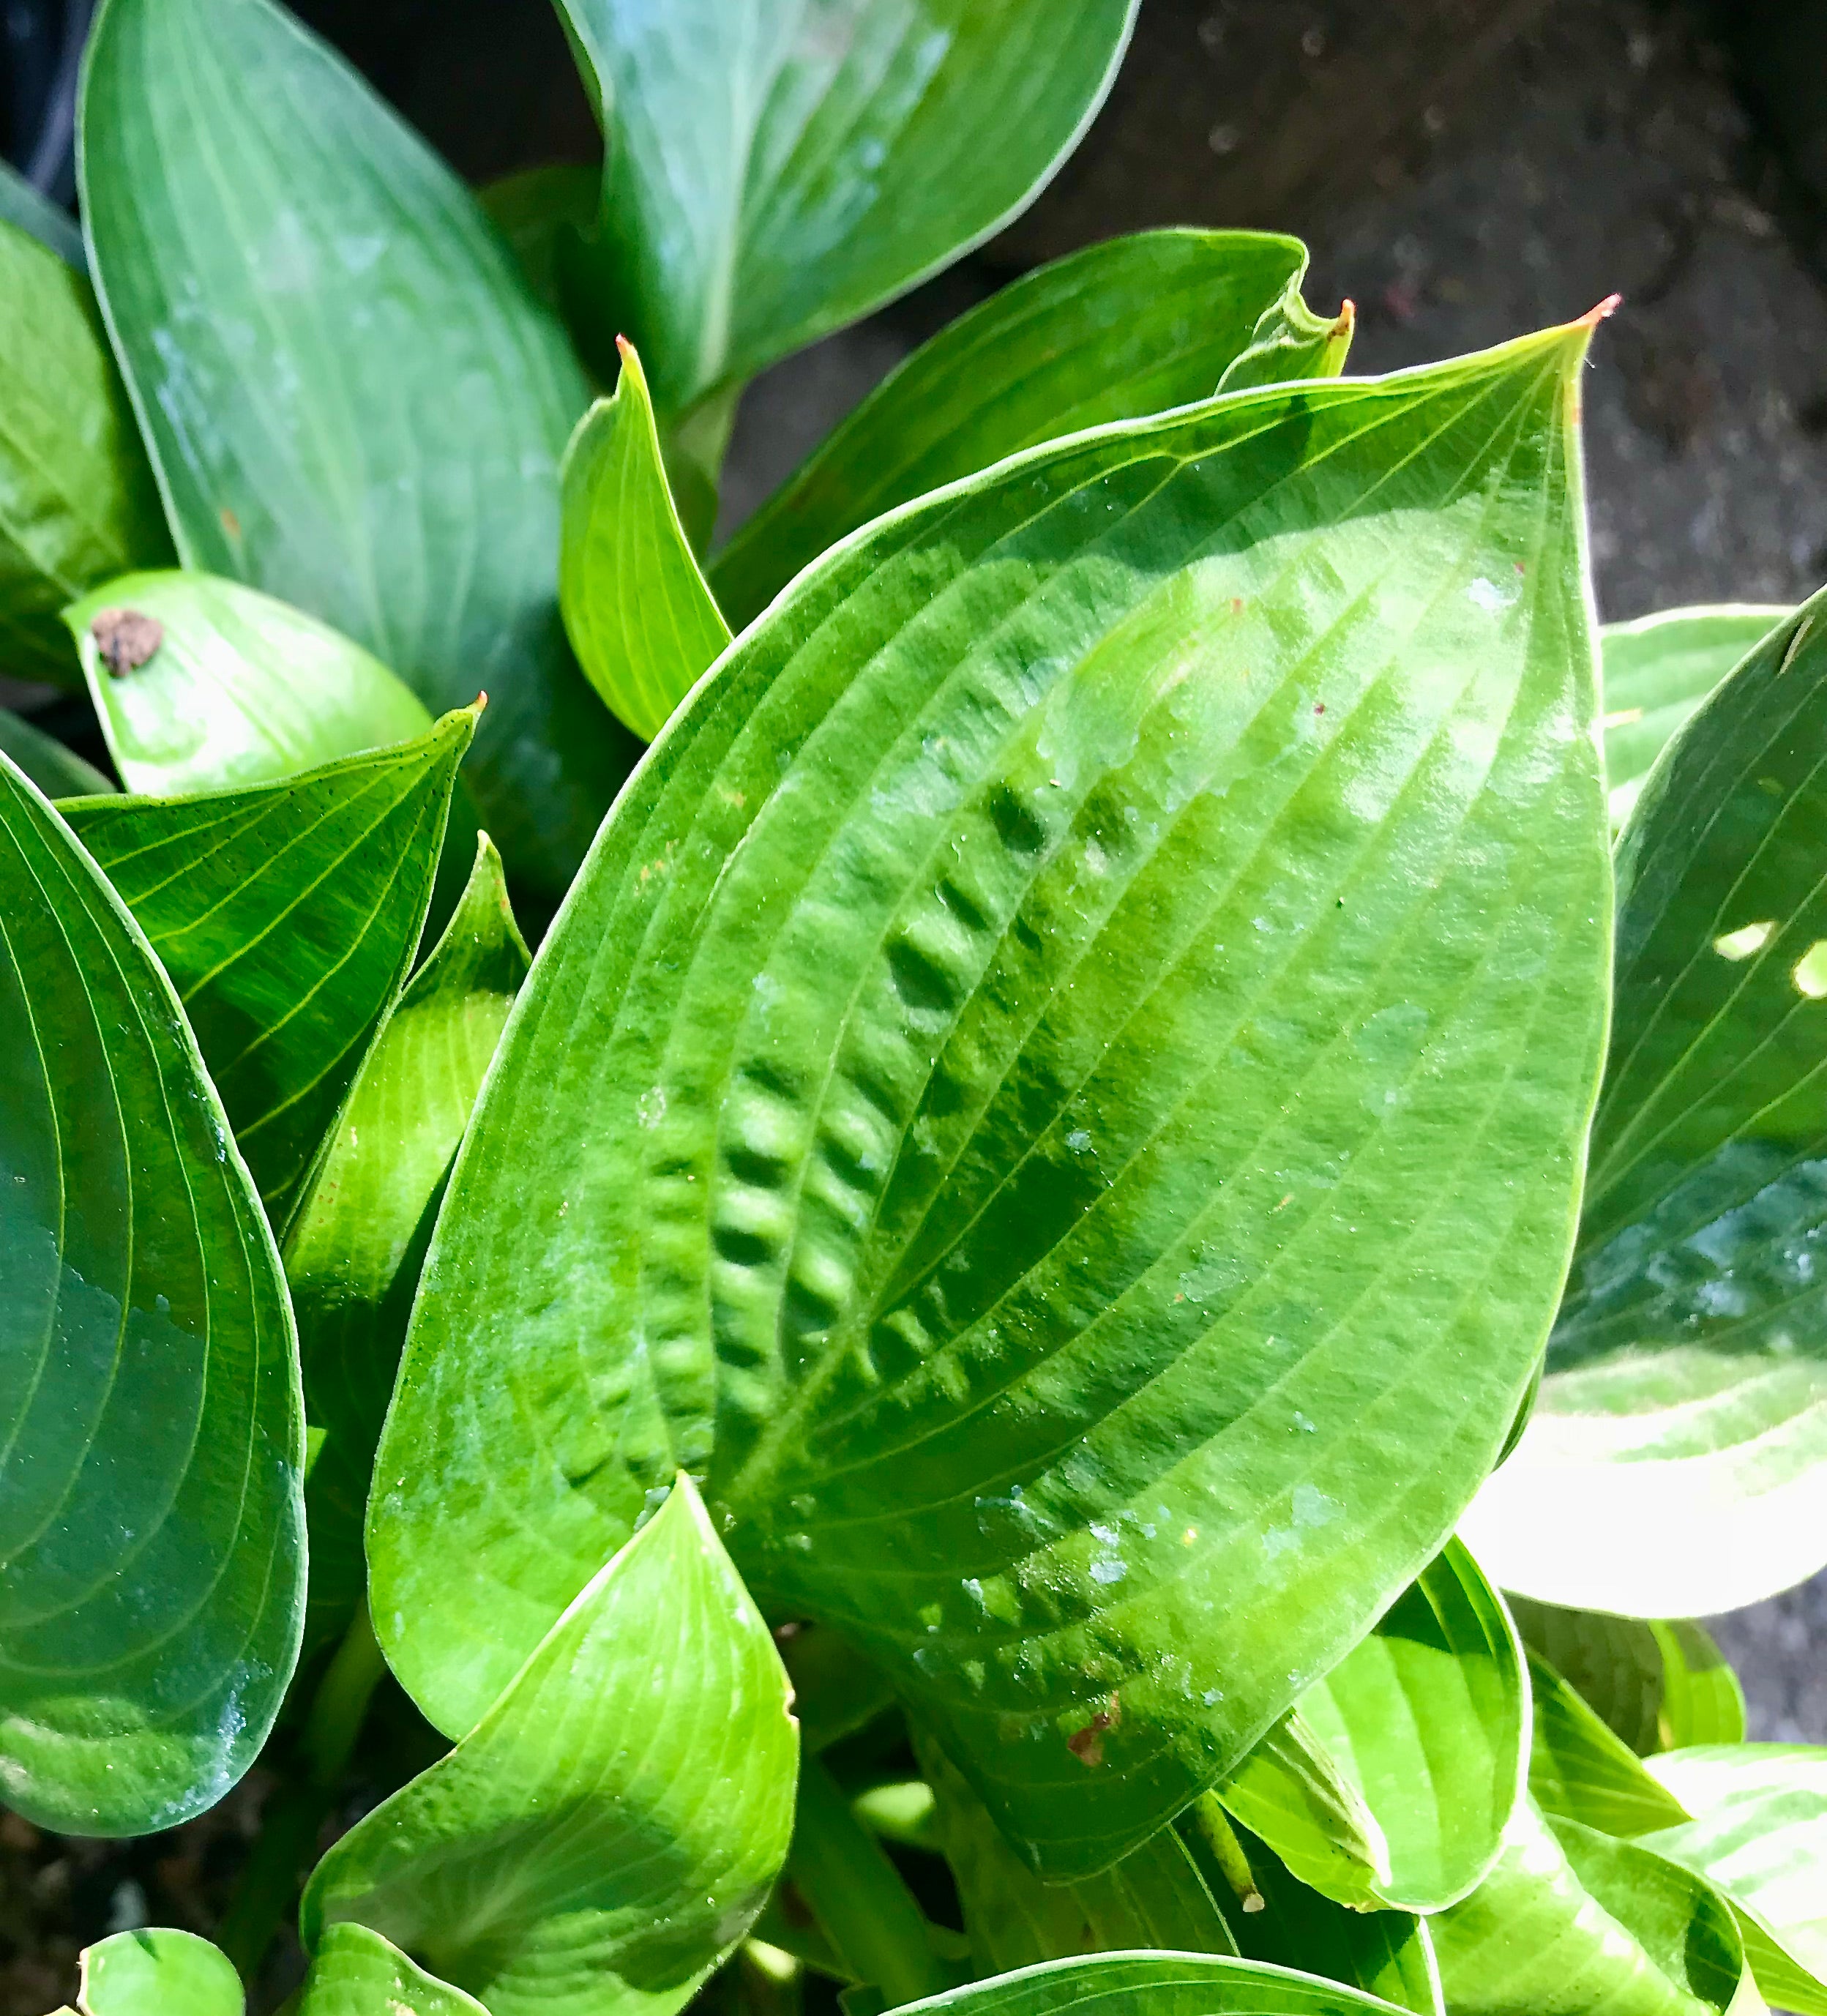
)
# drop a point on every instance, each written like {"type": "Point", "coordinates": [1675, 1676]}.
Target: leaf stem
{"type": "Point", "coordinates": [1214, 1829]}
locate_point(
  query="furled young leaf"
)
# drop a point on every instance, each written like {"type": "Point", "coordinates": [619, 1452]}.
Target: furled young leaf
{"type": "Point", "coordinates": [1115, 332]}
{"type": "Point", "coordinates": [57, 772]}
{"type": "Point", "coordinates": [773, 173]}
{"type": "Point", "coordinates": [159, 1973]}
{"type": "Point", "coordinates": [1151, 1984]}
{"type": "Point", "coordinates": [1579, 1769]}
{"type": "Point", "coordinates": [1759, 1834]}
{"type": "Point", "coordinates": [77, 501]}
{"type": "Point", "coordinates": [1683, 1412]}
{"type": "Point", "coordinates": [610, 1828]}
{"type": "Point", "coordinates": [218, 685]}
{"type": "Point", "coordinates": [1661, 1686]}
{"type": "Point", "coordinates": [22, 206]}
{"type": "Point", "coordinates": [1657, 671]}
{"type": "Point", "coordinates": [151, 1528]}
{"type": "Point", "coordinates": [1427, 1722]}
{"type": "Point", "coordinates": [530, 210]}
{"type": "Point", "coordinates": [637, 612]}
{"type": "Point", "coordinates": [287, 916]}
{"type": "Point", "coordinates": [987, 1098]}
{"type": "Point", "coordinates": [355, 1972]}
{"type": "Point", "coordinates": [354, 401]}
{"type": "Point", "coordinates": [356, 1246]}
{"type": "Point", "coordinates": [1570, 1920]}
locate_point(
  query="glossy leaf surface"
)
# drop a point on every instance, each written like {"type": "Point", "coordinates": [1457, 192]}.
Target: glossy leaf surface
{"type": "Point", "coordinates": [287, 916]}
{"type": "Point", "coordinates": [238, 689]}
{"type": "Point", "coordinates": [1115, 332]}
{"type": "Point", "coordinates": [609, 1830]}
{"type": "Point", "coordinates": [353, 400]}
{"type": "Point", "coordinates": [159, 1972]}
{"type": "Point", "coordinates": [1683, 1413]}
{"type": "Point", "coordinates": [636, 609]}
{"type": "Point", "coordinates": [355, 1972]}
{"type": "Point", "coordinates": [77, 501]}
{"type": "Point", "coordinates": [148, 1376]}
{"type": "Point", "coordinates": [1660, 1685]}
{"type": "Point", "coordinates": [355, 1249]}
{"type": "Point", "coordinates": [1151, 1984]}
{"type": "Point", "coordinates": [1580, 1770]}
{"type": "Point", "coordinates": [57, 772]}
{"type": "Point", "coordinates": [775, 172]}
{"type": "Point", "coordinates": [976, 1098]}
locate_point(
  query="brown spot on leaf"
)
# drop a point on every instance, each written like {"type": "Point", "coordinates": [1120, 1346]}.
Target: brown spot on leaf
{"type": "Point", "coordinates": [125, 638]}
{"type": "Point", "coordinates": [231, 524]}
{"type": "Point", "coordinates": [1087, 1744]}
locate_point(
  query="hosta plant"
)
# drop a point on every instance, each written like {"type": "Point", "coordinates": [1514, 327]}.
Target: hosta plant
{"type": "Point", "coordinates": [1151, 1214]}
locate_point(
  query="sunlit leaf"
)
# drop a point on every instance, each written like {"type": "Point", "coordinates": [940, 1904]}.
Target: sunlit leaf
{"type": "Point", "coordinates": [1580, 1769]}
{"type": "Point", "coordinates": [1151, 1984]}
{"type": "Point", "coordinates": [158, 1972]}
{"type": "Point", "coordinates": [1660, 1685]}
{"type": "Point", "coordinates": [355, 1972]}
{"type": "Point", "coordinates": [57, 772]}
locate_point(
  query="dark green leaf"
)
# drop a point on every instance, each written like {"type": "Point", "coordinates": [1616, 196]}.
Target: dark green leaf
{"type": "Point", "coordinates": [1683, 1414]}
{"type": "Point", "coordinates": [57, 772]}
{"type": "Point", "coordinates": [639, 617]}
{"type": "Point", "coordinates": [22, 206]}
{"type": "Point", "coordinates": [609, 1830]}
{"type": "Point", "coordinates": [1579, 1769]}
{"type": "Point", "coordinates": [1112, 332]}
{"type": "Point", "coordinates": [151, 1533]}
{"type": "Point", "coordinates": [287, 916]}
{"type": "Point", "coordinates": [355, 1972]}
{"type": "Point", "coordinates": [985, 1099]}
{"type": "Point", "coordinates": [1151, 1984]}
{"type": "Point", "coordinates": [159, 1973]}
{"type": "Point", "coordinates": [1660, 1686]}
{"type": "Point", "coordinates": [771, 174]}
{"type": "Point", "coordinates": [77, 501]}
{"type": "Point", "coordinates": [354, 401]}
{"type": "Point", "coordinates": [530, 210]}
{"type": "Point", "coordinates": [355, 1249]}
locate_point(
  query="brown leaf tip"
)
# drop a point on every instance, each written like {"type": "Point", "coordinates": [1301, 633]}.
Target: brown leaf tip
{"type": "Point", "coordinates": [125, 638]}
{"type": "Point", "coordinates": [1603, 312]}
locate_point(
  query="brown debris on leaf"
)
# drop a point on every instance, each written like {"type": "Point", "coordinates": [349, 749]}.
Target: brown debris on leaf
{"type": "Point", "coordinates": [1087, 1744]}
{"type": "Point", "coordinates": [125, 638]}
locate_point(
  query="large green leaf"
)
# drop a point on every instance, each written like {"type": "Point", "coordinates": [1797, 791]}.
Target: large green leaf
{"type": "Point", "coordinates": [287, 916]}
{"type": "Point", "coordinates": [77, 501]}
{"type": "Point", "coordinates": [355, 1249]}
{"type": "Point", "coordinates": [1580, 1770]}
{"type": "Point", "coordinates": [1151, 1984]}
{"type": "Point", "coordinates": [353, 400]}
{"type": "Point", "coordinates": [1658, 669]}
{"type": "Point", "coordinates": [1426, 1721]}
{"type": "Point", "coordinates": [773, 172]}
{"type": "Point", "coordinates": [611, 1829]}
{"type": "Point", "coordinates": [159, 1973]}
{"type": "Point", "coordinates": [152, 1535]}
{"type": "Point", "coordinates": [355, 1972]}
{"type": "Point", "coordinates": [1759, 1833]}
{"type": "Point", "coordinates": [1112, 332]}
{"type": "Point", "coordinates": [1676, 1463]}
{"type": "Point", "coordinates": [1570, 1920]}
{"type": "Point", "coordinates": [639, 617]}
{"type": "Point", "coordinates": [1060, 1090]}
{"type": "Point", "coordinates": [57, 772]}
{"type": "Point", "coordinates": [233, 687]}
{"type": "Point", "coordinates": [1660, 1685]}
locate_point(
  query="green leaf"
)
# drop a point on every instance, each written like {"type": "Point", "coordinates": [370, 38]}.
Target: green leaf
{"type": "Point", "coordinates": [1683, 1413]}
{"type": "Point", "coordinates": [353, 400]}
{"type": "Point", "coordinates": [287, 916]}
{"type": "Point", "coordinates": [1570, 1920]}
{"type": "Point", "coordinates": [77, 501]}
{"type": "Point", "coordinates": [1660, 1686]}
{"type": "Point", "coordinates": [1151, 1984]}
{"type": "Point", "coordinates": [1424, 1726]}
{"type": "Point", "coordinates": [772, 175]}
{"type": "Point", "coordinates": [57, 772]}
{"type": "Point", "coordinates": [1657, 671]}
{"type": "Point", "coordinates": [355, 1972]}
{"type": "Point", "coordinates": [1580, 1770]}
{"type": "Point", "coordinates": [148, 1376]}
{"type": "Point", "coordinates": [982, 1101]}
{"type": "Point", "coordinates": [639, 617]}
{"type": "Point", "coordinates": [1112, 332]}
{"type": "Point", "coordinates": [1759, 1834]}
{"type": "Point", "coordinates": [26, 209]}
{"type": "Point", "coordinates": [358, 1241]}
{"type": "Point", "coordinates": [230, 687]}
{"type": "Point", "coordinates": [532, 208]}
{"type": "Point", "coordinates": [609, 1830]}
{"type": "Point", "coordinates": [159, 1973]}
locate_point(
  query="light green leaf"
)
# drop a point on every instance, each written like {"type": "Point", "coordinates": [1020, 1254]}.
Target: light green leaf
{"type": "Point", "coordinates": [1580, 1770]}
{"type": "Point", "coordinates": [353, 399]}
{"type": "Point", "coordinates": [228, 686]}
{"type": "Point", "coordinates": [532, 208]}
{"type": "Point", "coordinates": [357, 1245]}
{"type": "Point", "coordinates": [159, 1973]}
{"type": "Point", "coordinates": [1291, 341]}
{"type": "Point", "coordinates": [1660, 1685]}
{"type": "Point", "coordinates": [637, 612]}
{"type": "Point", "coordinates": [899, 1809]}
{"type": "Point", "coordinates": [355, 1972]}
{"type": "Point", "coordinates": [1151, 1984]}
{"type": "Point", "coordinates": [1683, 1414]}
{"type": "Point", "coordinates": [57, 772]}
{"type": "Point", "coordinates": [287, 916]}
{"type": "Point", "coordinates": [1657, 671]}
{"type": "Point", "coordinates": [26, 209]}
{"type": "Point", "coordinates": [1759, 1834]}
{"type": "Point", "coordinates": [609, 1830]}
{"type": "Point", "coordinates": [1410, 1754]}
{"type": "Point", "coordinates": [77, 501]}
{"type": "Point", "coordinates": [984, 1098]}
{"type": "Point", "coordinates": [1570, 1920]}
{"type": "Point", "coordinates": [771, 174]}
{"type": "Point", "coordinates": [148, 1376]}
{"type": "Point", "coordinates": [1115, 332]}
